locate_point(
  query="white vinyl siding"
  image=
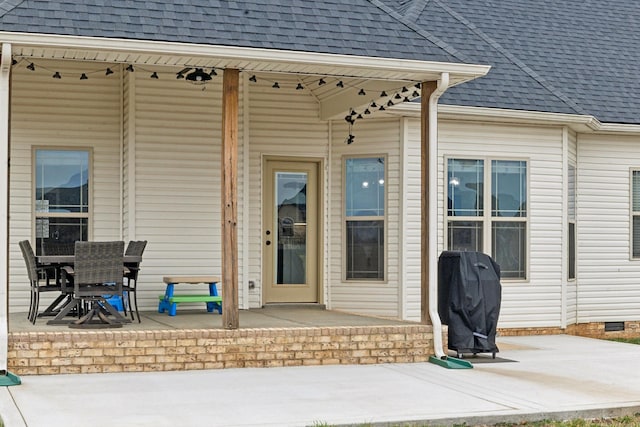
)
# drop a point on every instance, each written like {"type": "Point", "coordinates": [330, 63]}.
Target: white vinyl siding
{"type": "Point", "coordinates": [609, 289]}
{"type": "Point", "coordinates": [285, 125]}
{"type": "Point", "coordinates": [536, 302]}
{"type": "Point", "coordinates": [371, 297]}
{"type": "Point", "coordinates": [73, 114]}
{"type": "Point", "coordinates": [177, 201]}
{"type": "Point", "coordinates": [412, 220]}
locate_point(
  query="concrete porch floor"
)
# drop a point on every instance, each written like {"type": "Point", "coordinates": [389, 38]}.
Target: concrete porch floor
{"type": "Point", "coordinates": [276, 316]}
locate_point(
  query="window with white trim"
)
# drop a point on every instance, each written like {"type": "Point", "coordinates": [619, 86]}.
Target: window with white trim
{"type": "Point", "coordinates": [571, 217]}
{"type": "Point", "coordinates": [61, 190]}
{"type": "Point", "coordinates": [635, 213]}
{"type": "Point", "coordinates": [364, 215]}
{"type": "Point", "coordinates": [498, 227]}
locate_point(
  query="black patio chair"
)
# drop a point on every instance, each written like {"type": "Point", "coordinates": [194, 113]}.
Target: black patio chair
{"type": "Point", "coordinates": [58, 248]}
{"type": "Point", "coordinates": [97, 275]}
{"type": "Point", "coordinates": [134, 248]}
{"type": "Point", "coordinates": [36, 273]}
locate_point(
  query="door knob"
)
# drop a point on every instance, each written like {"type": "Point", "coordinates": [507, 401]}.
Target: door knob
{"type": "Point", "coordinates": [268, 242]}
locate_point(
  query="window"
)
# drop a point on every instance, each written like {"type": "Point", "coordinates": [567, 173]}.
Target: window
{"type": "Point", "coordinates": [571, 213]}
{"type": "Point", "coordinates": [498, 227]}
{"type": "Point", "coordinates": [61, 196]}
{"type": "Point", "coordinates": [365, 218]}
{"type": "Point", "coordinates": [635, 213]}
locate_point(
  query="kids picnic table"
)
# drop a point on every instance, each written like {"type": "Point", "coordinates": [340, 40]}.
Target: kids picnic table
{"type": "Point", "coordinates": [170, 300]}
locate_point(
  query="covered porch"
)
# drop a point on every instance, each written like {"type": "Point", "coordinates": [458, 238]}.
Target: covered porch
{"type": "Point", "coordinates": [173, 160]}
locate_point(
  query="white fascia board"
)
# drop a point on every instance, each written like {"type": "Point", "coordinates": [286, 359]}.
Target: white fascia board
{"type": "Point", "coordinates": [413, 69]}
{"type": "Point", "coordinates": [577, 122]}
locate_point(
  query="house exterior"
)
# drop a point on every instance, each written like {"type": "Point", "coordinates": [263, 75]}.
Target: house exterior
{"type": "Point", "coordinates": [535, 147]}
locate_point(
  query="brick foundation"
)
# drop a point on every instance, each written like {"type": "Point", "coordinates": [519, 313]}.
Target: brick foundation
{"type": "Point", "coordinates": [590, 330]}
{"type": "Point", "coordinates": [32, 353]}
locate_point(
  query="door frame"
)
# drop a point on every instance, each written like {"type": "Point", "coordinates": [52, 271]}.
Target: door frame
{"type": "Point", "coordinates": [321, 220]}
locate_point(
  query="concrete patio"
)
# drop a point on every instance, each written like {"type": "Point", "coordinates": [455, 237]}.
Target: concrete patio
{"type": "Point", "coordinates": [536, 377]}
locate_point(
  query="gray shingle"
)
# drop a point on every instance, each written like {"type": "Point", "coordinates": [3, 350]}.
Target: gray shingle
{"type": "Point", "coordinates": [570, 56]}
{"type": "Point", "coordinates": [331, 26]}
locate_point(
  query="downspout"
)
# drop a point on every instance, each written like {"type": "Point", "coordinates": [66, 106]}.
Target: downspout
{"type": "Point", "coordinates": [6, 378]}
{"type": "Point", "coordinates": [443, 84]}
{"type": "Point", "coordinates": [440, 357]}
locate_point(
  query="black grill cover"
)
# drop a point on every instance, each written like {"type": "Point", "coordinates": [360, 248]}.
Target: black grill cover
{"type": "Point", "coordinates": [469, 296]}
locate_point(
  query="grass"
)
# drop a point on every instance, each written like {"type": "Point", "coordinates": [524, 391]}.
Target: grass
{"type": "Point", "coordinates": [627, 340]}
{"type": "Point", "coordinates": [626, 421]}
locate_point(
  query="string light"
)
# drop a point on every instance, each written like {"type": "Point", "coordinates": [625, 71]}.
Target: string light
{"type": "Point", "coordinates": [351, 118]}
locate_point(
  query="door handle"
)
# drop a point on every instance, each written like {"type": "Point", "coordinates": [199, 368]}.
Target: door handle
{"type": "Point", "coordinates": [268, 242]}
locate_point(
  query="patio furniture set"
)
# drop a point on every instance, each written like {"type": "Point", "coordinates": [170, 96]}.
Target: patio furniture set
{"type": "Point", "coordinates": [88, 276]}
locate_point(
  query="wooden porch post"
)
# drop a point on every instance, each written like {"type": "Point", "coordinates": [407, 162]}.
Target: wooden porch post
{"type": "Point", "coordinates": [427, 89]}
{"type": "Point", "coordinates": [230, 316]}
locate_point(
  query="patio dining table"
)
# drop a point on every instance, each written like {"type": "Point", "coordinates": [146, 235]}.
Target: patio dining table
{"type": "Point", "coordinates": [60, 261]}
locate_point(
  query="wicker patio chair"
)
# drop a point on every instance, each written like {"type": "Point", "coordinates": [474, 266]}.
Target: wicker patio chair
{"type": "Point", "coordinates": [97, 274]}
{"type": "Point", "coordinates": [36, 273]}
{"type": "Point", "coordinates": [135, 248]}
{"type": "Point", "coordinates": [57, 248]}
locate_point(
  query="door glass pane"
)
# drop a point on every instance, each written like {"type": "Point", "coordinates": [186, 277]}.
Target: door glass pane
{"type": "Point", "coordinates": [465, 187]}
{"type": "Point", "coordinates": [291, 214]}
{"type": "Point", "coordinates": [62, 181]}
{"type": "Point", "coordinates": [365, 249]}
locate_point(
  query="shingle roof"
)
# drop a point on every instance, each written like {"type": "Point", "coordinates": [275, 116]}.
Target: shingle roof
{"type": "Point", "coordinates": [354, 27]}
{"type": "Point", "coordinates": [570, 56]}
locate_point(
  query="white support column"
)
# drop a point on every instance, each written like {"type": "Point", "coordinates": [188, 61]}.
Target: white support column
{"type": "Point", "coordinates": [5, 72]}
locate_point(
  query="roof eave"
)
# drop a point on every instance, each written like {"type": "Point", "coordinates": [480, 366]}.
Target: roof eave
{"type": "Point", "coordinates": [251, 59]}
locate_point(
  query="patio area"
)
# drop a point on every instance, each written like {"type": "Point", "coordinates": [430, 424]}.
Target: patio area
{"type": "Point", "coordinates": [281, 335]}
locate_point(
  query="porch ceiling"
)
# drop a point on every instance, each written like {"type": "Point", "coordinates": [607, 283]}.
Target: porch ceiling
{"type": "Point", "coordinates": [374, 74]}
